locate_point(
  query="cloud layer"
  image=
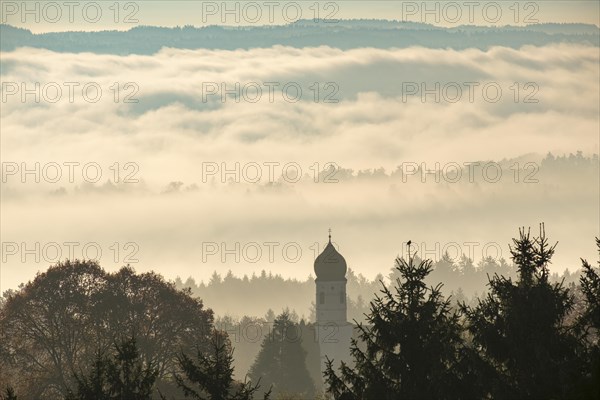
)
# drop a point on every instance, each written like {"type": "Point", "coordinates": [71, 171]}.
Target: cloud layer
{"type": "Point", "coordinates": [358, 109]}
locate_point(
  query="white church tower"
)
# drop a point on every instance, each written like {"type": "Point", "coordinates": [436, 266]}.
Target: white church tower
{"type": "Point", "coordinates": [333, 330]}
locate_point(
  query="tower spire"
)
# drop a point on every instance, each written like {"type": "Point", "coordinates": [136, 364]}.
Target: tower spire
{"type": "Point", "coordinates": [329, 235]}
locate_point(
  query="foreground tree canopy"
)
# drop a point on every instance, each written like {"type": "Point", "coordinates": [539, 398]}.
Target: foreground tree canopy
{"type": "Point", "coordinates": [411, 347]}
{"type": "Point", "coordinates": [55, 325]}
{"type": "Point", "coordinates": [524, 340]}
{"type": "Point", "coordinates": [520, 330]}
{"type": "Point", "coordinates": [77, 332]}
{"type": "Point", "coordinates": [210, 376]}
{"type": "Point", "coordinates": [122, 375]}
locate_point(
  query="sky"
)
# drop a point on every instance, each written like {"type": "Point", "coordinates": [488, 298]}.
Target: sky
{"type": "Point", "coordinates": [143, 160]}
{"type": "Point", "coordinates": [48, 16]}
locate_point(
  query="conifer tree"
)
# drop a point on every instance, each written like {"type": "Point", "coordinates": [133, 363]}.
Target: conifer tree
{"type": "Point", "coordinates": [281, 361]}
{"type": "Point", "coordinates": [519, 329]}
{"type": "Point", "coordinates": [123, 376]}
{"type": "Point", "coordinates": [589, 327]}
{"type": "Point", "coordinates": [9, 394]}
{"type": "Point", "coordinates": [211, 375]}
{"type": "Point", "coordinates": [590, 286]}
{"type": "Point", "coordinates": [411, 344]}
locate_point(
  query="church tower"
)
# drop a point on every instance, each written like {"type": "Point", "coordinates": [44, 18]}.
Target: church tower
{"type": "Point", "coordinates": [330, 268]}
{"type": "Point", "coordinates": [333, 330]}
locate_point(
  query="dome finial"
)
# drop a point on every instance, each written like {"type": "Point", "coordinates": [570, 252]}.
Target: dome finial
{"type": "Point", "coordinates": [329, 235]}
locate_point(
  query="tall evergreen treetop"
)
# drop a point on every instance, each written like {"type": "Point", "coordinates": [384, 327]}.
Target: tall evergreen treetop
{"type": "Point", "coordinates": [519, 328]}
{"type": "Point", "coordinates": [589, 327]}
{"type": "Point", "coordinates": [281, 361]}
{"type": "Point", "coordinates": [122, 376]}
{"type": "Point", "coordinates": [410, 347]}
{"type": "Point", "coordinates": [210, 376]}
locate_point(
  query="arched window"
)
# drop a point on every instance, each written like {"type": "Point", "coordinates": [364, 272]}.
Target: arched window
{"type": "Point", "coordinates": [322, 298]}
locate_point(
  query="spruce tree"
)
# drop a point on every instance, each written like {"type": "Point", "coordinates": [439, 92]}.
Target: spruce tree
{"type": "Point", "coordinates": [210, 376]}
{"type": "Point", "coordinates": [410, 347]}
{"type": "Point", "coordinates": [9, 394]}
{"type": "Point", "coordinates": [519, 329]}
{"type": "Point", "coordinates": [122, 376]}
{"type": "Point", "coordinates": [281, 361]}
{"type": "Point", "coordinates": [590, 286]}
{"type": "Point", "coordinates": [589, 328]}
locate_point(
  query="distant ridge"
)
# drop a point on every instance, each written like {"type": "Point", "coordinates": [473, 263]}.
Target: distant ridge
{"type": "Point", "coordinates": [345, 34]}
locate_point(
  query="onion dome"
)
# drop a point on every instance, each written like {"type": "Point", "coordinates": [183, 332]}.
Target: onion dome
{"type": "Point", "coordinates": [330, 265]}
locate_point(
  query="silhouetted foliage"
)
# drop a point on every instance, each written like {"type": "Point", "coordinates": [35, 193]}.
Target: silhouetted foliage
{"type": "Point", "coordinates": [281, 362]}
{"type": "Point", "coordinates": [230, 292]}
{"type": "Point", "coordinates": [519, 332]}
{"type": "Point", "coordinates": [344, 35]}
{"type": "Point", "coordinates": [9, 394]}
{"type": "Point", "coordinates": [211, 375]}
{"type": "Point", "coordinates": [69, 334]}
{"type": "Point", "coordinates": [413, 343]}
{"type": "Point", "coordinates": [589, 323]}
{"type": "Point", "coordinates": [122, 376]}
{"type": "Point", "coordinates": [590, 286]}
{"type": "Point", "coordinates": [54, 325]}
{"type": "Point", "coordinates": [248, 333]}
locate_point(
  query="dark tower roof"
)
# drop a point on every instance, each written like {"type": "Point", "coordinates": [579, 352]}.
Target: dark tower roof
{"type": "Point", "coordinates": [330, 265]}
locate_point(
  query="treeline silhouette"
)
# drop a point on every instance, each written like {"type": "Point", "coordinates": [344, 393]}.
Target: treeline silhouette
{"type": "Point", "coordinates": [463, 279]}
{"type": "Point", "coordinates": [349, 34]}
{"type": "Point", "coordinates": [79, 332]}
{"type": "Point", "coordinates": [527, 169]}
{"type": "Point", "coordinates": [515, 343]}
{"type": "Point", "coordinates": [531, 168]}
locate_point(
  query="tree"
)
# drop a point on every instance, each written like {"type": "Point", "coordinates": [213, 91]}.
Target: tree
{"type": "Point", "coordinates": [310, 344]}
{"type": "Point", "coordinates": [519, 329]}
{"type": "Point", "coordinates": [163, 319]}
{"type": "Point", "coordinates": [410, 347]}
{"type": "Point", "coordinates": [590, 286]}
{"type": "Point", "coordinates": [270, 315]}
{"type": "Point", "coordinates": [281, 361]}
{"type": "Point", "coordinates": [212, 374]}
{"type": "Point", "coordinates": [46, 327]}
{"type": "Point", "coordinates": [9, 394]}
{"type": "Point", "coordinates": [124, 376]}
{"type": "Point", "coordinates": [54, 325]}
{"type": "Point", "coordinates": [444, 270]}
{"type": "Point", "coordinates": [589, 324]}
